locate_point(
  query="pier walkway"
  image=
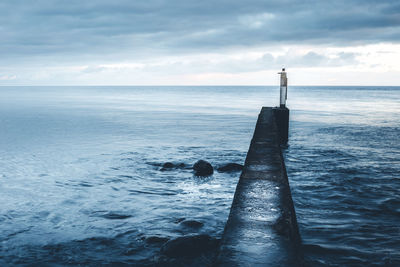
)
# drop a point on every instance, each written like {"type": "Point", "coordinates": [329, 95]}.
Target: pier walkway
{"type": "Point", "coordinates": [262, 228]}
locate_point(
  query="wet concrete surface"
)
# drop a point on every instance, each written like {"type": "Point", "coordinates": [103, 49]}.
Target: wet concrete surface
{"type": "Point", "coordinates": [262, 228]}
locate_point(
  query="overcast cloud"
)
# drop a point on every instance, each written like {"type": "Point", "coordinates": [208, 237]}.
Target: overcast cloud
{"type": "Point", "coordinates": [47, 33]}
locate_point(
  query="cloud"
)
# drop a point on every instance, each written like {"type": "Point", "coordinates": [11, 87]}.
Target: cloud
{"type": "Point", "coordinates": [229, 64]}
{"type": "Point", "coordinates": [88, 29]}
{"type": "Point", "coordinates": [269, 62]}
{"type": "Point", "coordinates": [56, 41]}
{"type": "Point", "coordinates": [313, 59]}
{"type": "Point", "coordinates": [7, 77]}
{"type": "Point", "coordinates": [333, 65]}
{"type": "Point", "coordinates": [256, 21]}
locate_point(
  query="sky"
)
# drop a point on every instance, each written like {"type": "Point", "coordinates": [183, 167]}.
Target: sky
{"type": "Point", "coordinates": [208, 42]}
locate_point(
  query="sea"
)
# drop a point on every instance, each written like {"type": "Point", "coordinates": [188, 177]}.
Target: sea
{"type": "Point", "coordinates": [82, 183]}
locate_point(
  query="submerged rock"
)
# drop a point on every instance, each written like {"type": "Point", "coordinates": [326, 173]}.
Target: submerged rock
{"type": "Point", "coordinates": [230, 167]}
{"type": "Point", "coordinates": [189, 246]}
{"type": "Point", "coordinates": [169, 166]}
{"type": "Point", "coordinates": [183, 166]}
{"type": "Point", "coordinates": [203, 168]}
{"type": "Point", "coordinates": [115, 216]}
{"type": "Point", "coordinates": [192, 224]}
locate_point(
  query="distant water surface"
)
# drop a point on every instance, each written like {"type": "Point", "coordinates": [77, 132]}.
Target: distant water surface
{"type": "Point", "coordinates": [80, 179]}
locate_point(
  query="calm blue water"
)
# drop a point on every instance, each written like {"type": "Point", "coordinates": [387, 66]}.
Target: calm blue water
{"type": "Point", "coordinates": [80, 179]}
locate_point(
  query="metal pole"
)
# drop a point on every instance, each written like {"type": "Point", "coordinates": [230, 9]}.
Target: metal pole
{"type": "Point", "coordinates": [283, 88]}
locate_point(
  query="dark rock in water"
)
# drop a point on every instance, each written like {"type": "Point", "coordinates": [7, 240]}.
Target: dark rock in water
{"type": "Point", "coordinates": [230, 167]}
{"type": "Point", "coordinates": [203, 168]}
{"type": "Point", "coordinates": [169, 166]}
{"type": "Point", "coordinates": [192, 224]}
{"type": "Point", "coordinates": [189, 246]}
{"type": "Point", "coordinates": [156, 239]}
{"type": "Point", "coordinates": [115, 216]}
{"type": "Point", "coordinates": [181, 166]}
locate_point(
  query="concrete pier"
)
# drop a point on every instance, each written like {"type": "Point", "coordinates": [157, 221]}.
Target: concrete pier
{"type": "Point", "coordinates": [262, 228]}
{"type": "Point", "coordinates": [282, 122]}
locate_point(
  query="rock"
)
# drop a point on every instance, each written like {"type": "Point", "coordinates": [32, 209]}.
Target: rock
{"type": "Point", "coordinates": [192, 224]}
{"type": "Point", "coordinates": [181, 166]}
{"type": "Point", "coordinates": [203, 168]}
{"type": "Point", "coordinates": [189, 246]}
{"type": "Point", "coordinates": [115, 216]}
{"type": "Point", "coordinates": [230, 167]}
{"type": "Point", "coordinates": [169, 166]}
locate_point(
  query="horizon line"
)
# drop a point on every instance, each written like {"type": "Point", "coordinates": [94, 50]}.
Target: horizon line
{"type": "Point", "coordinates": [192, 85]}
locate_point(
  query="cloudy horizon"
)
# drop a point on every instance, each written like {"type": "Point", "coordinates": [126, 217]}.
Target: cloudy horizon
{"type": "Point", "coordinates": [180, 42]}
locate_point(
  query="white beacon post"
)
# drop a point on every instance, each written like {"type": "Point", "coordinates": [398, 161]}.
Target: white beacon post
{"type": "Point", "coordinates": [283, 88]}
